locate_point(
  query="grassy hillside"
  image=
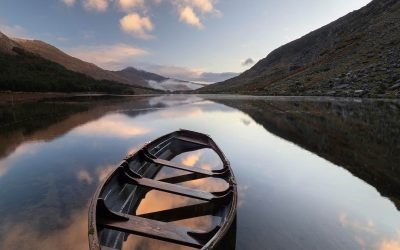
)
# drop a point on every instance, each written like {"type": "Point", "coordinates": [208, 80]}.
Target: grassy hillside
{"type": "Point", "coordinates": [25, 71]}
{"type": "Point", "coordinates": [357, 55]}
{"type": "Point", "coordinates": [54, 54]}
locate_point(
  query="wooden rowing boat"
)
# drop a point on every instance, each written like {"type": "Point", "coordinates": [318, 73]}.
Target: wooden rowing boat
{"type": "Point", "coordinates": [112, 212]}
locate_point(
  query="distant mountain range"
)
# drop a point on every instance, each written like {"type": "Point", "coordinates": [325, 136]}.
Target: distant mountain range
{"type": "Point", "coordinates": [155, 81]}
{"type": "Point", "coordinates": [23, 70]}
{"type": "Point", "coordinates": [357, 55]}
{"type": "Point", "coordinates": [131, 76]}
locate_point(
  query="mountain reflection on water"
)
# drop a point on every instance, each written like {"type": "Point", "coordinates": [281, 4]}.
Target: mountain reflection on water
{"type": "Point", "coordinates": [292, 159]}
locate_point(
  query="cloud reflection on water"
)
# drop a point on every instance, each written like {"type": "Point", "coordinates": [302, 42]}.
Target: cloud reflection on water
{"type": "Point", "coordinates": [72, 236]}
{"type": "Point", "coordinates": [51, 181]}
{"type": "Point", "coordinates": [23, 150]}
{"type": "Point", "coordinates": [367, 236]}
{"type": "Point", "coordinates": [112, 126]}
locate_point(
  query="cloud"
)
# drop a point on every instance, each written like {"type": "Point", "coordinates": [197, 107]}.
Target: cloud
{"type": "Point", "coordinates": [172, 71]}
{"type": "Point", "coordinates": [203, 5]}
{"type": "Point", "coordinates": [69, 2]}
{"type": "Point", "coordinates": [137, 25]}
{"type": "Point", "coordinates": [188, 10]}
{"type": "Point", "coordinates": [62, 38]}
{"type": "Point", "coordinates": [96, 5]}
{"type": "Point", "coordinates": [108, 56]}
{"type": "Point", "coordinates": [187, 74]}
{"type": "Point", "coordinates": [128, 5]}
{"type": "Point", "coordinates": [13, 31]}
{"type": "Point", "coordinates": [248, 61]}
{"type": "Point", "coordinates": [390, 245]}
{"type": "Point", "coordinates": [188, 16]}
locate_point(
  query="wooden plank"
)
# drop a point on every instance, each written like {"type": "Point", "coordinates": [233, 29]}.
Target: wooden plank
{"type": "Point", "coordinates": [182, 213]}
{"type": "Point", "coordinates": [192, 140]}
{"type": "Point", "coordinates": [153, 229]}
{"type": "Point", "coordinates": [172, 188]}
{"type": "Point", "coordinates": [182, 167]}
{"type": "Point", "coordinates": [183, 178]}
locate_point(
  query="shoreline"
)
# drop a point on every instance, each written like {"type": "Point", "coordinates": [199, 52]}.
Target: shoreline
{"type": "Point", "coordinates": [11, 98]}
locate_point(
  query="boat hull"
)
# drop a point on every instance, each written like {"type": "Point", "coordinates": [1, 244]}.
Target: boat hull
{"type": "Point", "coordinates": [112, 210]}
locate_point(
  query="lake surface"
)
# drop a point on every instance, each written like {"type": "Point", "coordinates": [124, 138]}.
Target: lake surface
{"type": "Point", "coordinates": [312, 173]}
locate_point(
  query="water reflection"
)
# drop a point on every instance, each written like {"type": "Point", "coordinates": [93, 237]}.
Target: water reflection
{"type": "Point", "coordinates": [363, 137]}
{"type": "Point", "coordinates": [73, 235]}
{"type": "Point", "coordinates": [285, 154]}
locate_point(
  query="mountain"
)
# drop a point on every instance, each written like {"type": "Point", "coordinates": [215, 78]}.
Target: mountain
{"type": "Point", "coordinates": [6, 44]}
{"type": "Point", "coordinates": [132, 72]}
{"type": "Point", "coordinates": [140, 76]}
{"type": "Point", "coordinates": [53, 54]}
{"type": "Point", "coordinates": [357, 55]}
{"type": "Point", "coordinates": [155, 81]}
{"type": "Point", "coordinates": [132, 76]}
{"type": "Point", "coordinates": [22, 70]}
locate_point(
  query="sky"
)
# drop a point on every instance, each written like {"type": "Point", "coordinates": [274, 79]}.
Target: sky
{"type": "Point", "coordinates": [170, 37]}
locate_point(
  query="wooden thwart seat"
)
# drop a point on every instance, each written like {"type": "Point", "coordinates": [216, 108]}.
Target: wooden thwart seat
{"type": "Point", "coordinates": [151, 228]}
{"type": "Point", "coordinates": [172, 188]}
{"type": "Point", "coordinates": [220, 173]}
{"type": "Point", "coordinates": [182, 213]}
{"type": "Point", "coordinates": [126, 187]}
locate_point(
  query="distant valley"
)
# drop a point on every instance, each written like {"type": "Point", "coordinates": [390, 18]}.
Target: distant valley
{"type": "Point", "coordinates": [32, 65]}
{"type": "Point", "coordinates": [155, 81]}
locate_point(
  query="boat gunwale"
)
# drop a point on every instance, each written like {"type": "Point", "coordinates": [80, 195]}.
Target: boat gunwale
{"type": "Point", "coordinates": [226, 221]}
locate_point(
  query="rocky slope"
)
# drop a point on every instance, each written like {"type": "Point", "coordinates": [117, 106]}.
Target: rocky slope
{"type": "Point", "coordinates": [357, 55]}
{"type": "Point", "coordinates": [7, 45]}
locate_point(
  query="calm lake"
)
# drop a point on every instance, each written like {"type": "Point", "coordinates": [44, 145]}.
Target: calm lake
{"type": "Point", "coordinates": [312, 173]}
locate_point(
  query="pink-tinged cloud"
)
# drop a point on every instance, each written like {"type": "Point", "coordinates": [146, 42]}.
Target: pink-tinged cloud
{"type": "Point", "coordinates": [137, 25]}
{"type": "Point", "coordinates": [129, 5]}
{"type": "Point", "coordinates": [69, 3]}
{"type": "Point", "coordinates": [96, 5]}
{"type": "Point", "coordinates": [188, 16]}
{"type": "Point", "coordinates": [108, 56]}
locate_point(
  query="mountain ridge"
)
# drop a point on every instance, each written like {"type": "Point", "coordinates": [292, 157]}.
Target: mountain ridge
{"type": "Point", "coordinates": [54, 54]}
{"type": "Point", "coordinates": [157, 81]}
{"type": "Point", "coordinates": [24, 70]}
{"type": "Point", "coordinates": [356, 55]}
{"type": "Point", "coordinates": [129, 76]}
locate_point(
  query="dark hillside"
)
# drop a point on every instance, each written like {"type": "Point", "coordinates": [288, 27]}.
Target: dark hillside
{"type": "Point", "coordinates": [357, 55]}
